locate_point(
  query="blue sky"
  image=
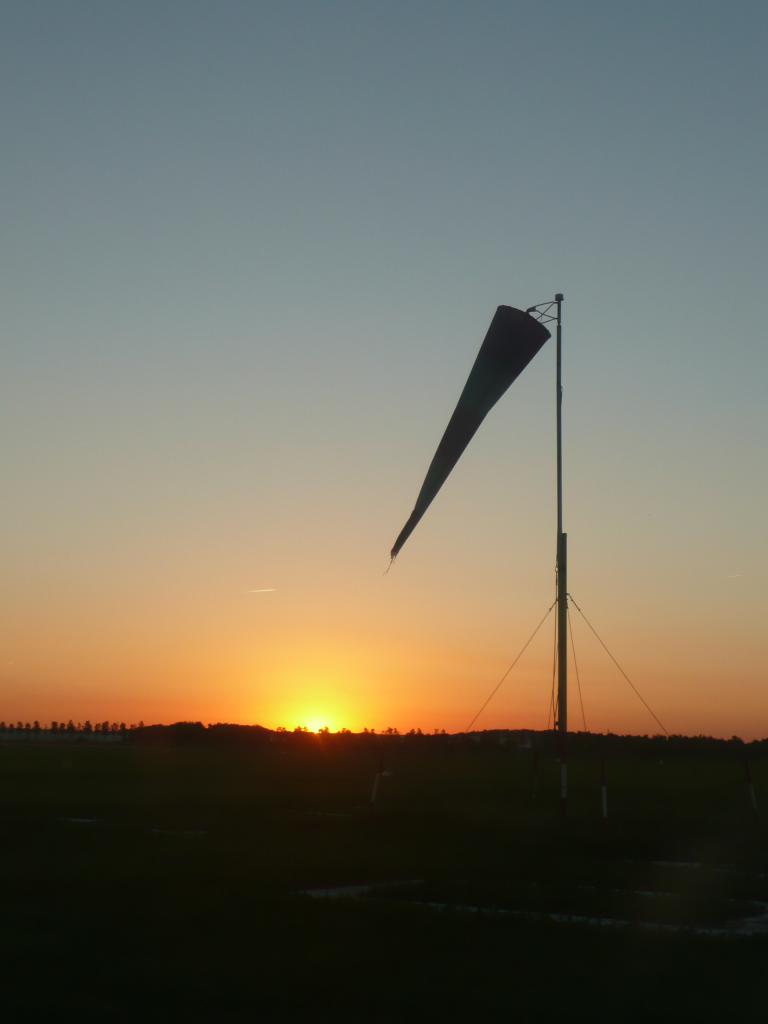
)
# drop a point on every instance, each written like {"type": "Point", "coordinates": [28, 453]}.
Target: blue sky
{"type": "Point", "coordinates": [250, 252]}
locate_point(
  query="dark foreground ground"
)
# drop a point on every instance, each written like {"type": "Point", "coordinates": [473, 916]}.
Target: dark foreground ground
{"type": "Point", "coordinates": [147, 883]}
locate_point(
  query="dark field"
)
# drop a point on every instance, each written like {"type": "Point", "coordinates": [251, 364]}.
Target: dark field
{"type": "Point", "coordinates": [154, 881]}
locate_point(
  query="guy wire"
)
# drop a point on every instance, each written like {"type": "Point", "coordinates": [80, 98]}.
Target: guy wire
{"type": "Point", "coordinates": [493, 692]}
{"type": "Point", "coordinates": [640, 697]}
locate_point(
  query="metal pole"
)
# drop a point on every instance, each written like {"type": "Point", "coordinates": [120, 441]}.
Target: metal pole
{"type": "Point", "coordinates": [562, 550]}
{"type": "Point", "coordinates": [562, 635]}
{"type": "Point", "coordinates": [559, 400]}
{"type": "Point", "coordinates": [562, 573]}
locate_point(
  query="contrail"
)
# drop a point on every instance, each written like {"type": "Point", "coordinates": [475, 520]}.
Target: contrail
{"type": "Point", "coordinates": [263, 590]}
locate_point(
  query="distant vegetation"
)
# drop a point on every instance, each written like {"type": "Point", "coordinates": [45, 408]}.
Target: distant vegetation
{"type": "Point", "coordinates": [607, 744]}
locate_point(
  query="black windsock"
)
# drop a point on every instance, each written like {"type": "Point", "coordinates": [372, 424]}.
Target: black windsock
{"type": "Point", "coordinates": [513, 339]}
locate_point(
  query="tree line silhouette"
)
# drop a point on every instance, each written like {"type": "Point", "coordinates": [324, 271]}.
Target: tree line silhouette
{"type": "Point", "coordinates": [516, 740]}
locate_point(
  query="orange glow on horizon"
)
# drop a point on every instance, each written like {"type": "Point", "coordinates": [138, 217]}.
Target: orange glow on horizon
{"type": "Point", "coordinates": [317, 723]}
{"type": "Point", "coordinates": [404, 654]}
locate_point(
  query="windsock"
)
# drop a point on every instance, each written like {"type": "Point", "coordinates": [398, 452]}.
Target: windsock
{"type": "Point", "coordinates": [513, 339]}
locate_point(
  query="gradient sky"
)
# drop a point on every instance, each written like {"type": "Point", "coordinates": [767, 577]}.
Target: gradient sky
{"type": "Point", "coordinates": [249, 253]}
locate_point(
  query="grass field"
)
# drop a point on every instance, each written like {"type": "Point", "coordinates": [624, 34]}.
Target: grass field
{"type": "Point", "coordinates": [159, 881]}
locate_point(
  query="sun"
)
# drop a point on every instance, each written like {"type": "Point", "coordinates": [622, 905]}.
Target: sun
{"type": "Point", "coordinates": [318, 722]}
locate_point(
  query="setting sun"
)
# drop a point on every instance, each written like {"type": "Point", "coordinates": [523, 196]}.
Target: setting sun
{"type": "Point", "coordinates": [315, 723]}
